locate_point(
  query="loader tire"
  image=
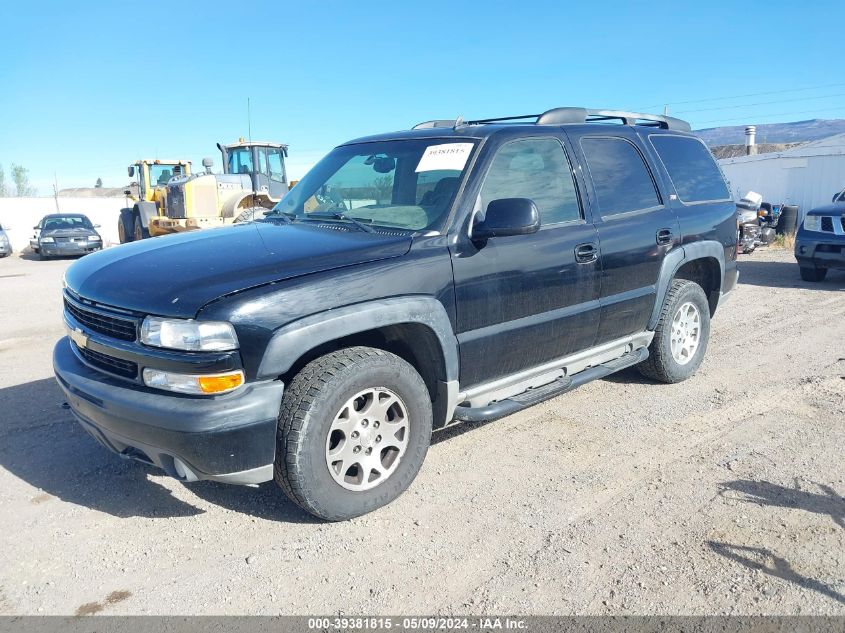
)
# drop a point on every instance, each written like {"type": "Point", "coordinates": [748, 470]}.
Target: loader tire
{"type": "Point", "coordinates": [250, 215]}
{"type": "Point", "coordinates": [126, 226]}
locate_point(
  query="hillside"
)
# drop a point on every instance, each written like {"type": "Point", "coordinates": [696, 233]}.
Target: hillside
{"type": "Point", "coordinates": [793, 132]}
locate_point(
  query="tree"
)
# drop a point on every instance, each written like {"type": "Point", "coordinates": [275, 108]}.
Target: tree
{"type": "Point", "coordinates": [383, 188]}
{"type": "Point", "coordinates": [19, 175]}
{"type": "Point", "coordinates": [99, 184]}
{"type": "Point", "coordinates": [3, 191]}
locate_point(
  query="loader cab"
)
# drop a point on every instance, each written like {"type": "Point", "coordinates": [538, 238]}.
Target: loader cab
{"type": "Point", "coordinates": [264, 163]}
{"type": "Point", "coordinates": [154, 174]}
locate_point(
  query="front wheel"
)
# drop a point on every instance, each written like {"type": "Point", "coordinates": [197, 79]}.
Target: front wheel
{"type": "Point", "coordinates": [139, 232]}
{"type": "Point", "coordinates": [126, 226]}
{"type": "Point", "coordinates": [354, 429]}
{"type": "Point", "coordinates": [681, 335]}
{"type": "Point", "coordinates": [813, 274]}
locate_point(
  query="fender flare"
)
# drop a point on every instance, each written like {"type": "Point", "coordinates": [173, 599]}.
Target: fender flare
{"type": "Point", "coordinates": [293, 340]}
{"type": "Point", "coordinates": [675, 259]}
{"type": "Point", "coordinates": [146, 211]}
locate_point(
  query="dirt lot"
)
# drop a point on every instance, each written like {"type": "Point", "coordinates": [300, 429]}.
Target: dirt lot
{"type": "Point", "coordinates": [719, 495]}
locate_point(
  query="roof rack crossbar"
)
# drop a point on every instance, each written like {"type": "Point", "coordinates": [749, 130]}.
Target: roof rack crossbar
{"type": "Point", "coordinates": [563, 116]}
{"type": "Point", "coordinates": [425, 125]}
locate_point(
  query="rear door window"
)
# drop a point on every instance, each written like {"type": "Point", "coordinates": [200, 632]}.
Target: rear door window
{"type": "Point", "coordinates": [691, 167]}
{"type": "Point", "coordinates": [620, 177]}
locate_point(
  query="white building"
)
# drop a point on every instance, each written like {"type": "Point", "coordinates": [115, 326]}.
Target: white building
{"type": "Point", "coordinates": [807, 175]}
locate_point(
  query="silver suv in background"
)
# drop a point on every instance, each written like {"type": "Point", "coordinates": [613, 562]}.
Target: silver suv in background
{"type": "Point", "coordinates": [5, 244]}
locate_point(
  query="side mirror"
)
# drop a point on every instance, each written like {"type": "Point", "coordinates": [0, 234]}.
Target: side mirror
{"type": "Point", "coordinates": [508, 216]}
{"type": "Point", "coordinates": [131, 171]}
{"type": "Point", "coordinates": [127, 192]}
{"type": "Point", "coordinates": [35, 228]}
{"type": "Point", "coordinates": [96, 226]}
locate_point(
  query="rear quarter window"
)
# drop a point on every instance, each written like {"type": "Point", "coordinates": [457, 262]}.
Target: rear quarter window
{"type": "Point", "coordinates": [691, 167]}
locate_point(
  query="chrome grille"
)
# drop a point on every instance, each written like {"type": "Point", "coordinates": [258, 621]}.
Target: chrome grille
{"type": "Point", "coordinates": [119, 328]}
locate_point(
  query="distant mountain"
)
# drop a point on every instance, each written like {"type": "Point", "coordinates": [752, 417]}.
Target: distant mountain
{"type": "Point", "coordinates": [794, 132]}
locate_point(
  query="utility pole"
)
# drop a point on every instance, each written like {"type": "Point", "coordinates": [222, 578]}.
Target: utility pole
{"type": "Point", "coordinates": [56, 191]}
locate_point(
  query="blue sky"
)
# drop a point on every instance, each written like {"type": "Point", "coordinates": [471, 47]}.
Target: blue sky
{"type": "Point", "coordinates": [87, 87]}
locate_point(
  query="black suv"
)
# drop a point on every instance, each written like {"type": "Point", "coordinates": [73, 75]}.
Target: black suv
{"type": "Point", "coordinates": [459, 271]}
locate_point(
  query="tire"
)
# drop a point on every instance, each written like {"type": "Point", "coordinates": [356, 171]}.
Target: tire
{"type": "Point", "coordinates": [248, 215]}
{"type": "Point", "coordinates": [813, 274]}
{"type": "Point", "coordinates": [139, 232]}
{"type": "Point", "coordinates": [126, 226]}
{"type": "Point", "coordinates": [787, 220]}
{"type": "Point", "coordinates": [318, 400]}
{"type": "Point", "coordinates": [662, 364]}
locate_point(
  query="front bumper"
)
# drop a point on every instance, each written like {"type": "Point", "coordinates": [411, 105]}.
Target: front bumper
{"type": "Point", "coordinates": [229, 438]}
{"type": "Point", "coordinates": [5, 248]}
{"type": "Point", "coordinates": [820, 253]}
{"type": "Point", "coordinates": [58, 249]}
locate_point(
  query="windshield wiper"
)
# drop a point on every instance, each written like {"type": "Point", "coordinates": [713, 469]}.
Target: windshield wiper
{"type": "Point", "coordinates": [286, 216]}
{"type": "Point", "coordinates": [341, 216]}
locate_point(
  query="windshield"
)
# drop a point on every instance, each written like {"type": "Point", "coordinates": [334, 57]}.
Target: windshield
{"type": "Point", "coordinates": [161, 174]}
{"type": "Point", "coordinates": [407, 184]}
{"type": "Point", "coordinates": [67, 222]}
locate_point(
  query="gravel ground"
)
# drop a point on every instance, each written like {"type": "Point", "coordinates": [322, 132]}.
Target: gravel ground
{"type": "Point", "coordinates": [720, 495]}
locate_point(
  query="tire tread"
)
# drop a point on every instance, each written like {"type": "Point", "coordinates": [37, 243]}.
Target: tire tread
{"type": "Point", "coordinates": [299, 397]}
{"type": "Point", "coordinates": [656, 365]}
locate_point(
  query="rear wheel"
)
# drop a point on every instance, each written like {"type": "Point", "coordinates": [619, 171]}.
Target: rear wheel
{"type": "Point", "coordinates": [250, 215]}
{"type": "Point", "coordinates": [681, 336]}
{"type": "Point", "coordinates": [126, 226]}
{"type": "Point", "coordinates": [813, 274]}
{"type": "Point", "coordinates": [354, 429]}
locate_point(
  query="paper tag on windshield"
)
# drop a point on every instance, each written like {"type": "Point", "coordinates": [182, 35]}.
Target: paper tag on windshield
{"type": "Point", "coordinates": [445, 156]}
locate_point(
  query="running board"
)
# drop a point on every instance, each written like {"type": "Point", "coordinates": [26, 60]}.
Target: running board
{"type": "Point", "coordinates": [529, 398]}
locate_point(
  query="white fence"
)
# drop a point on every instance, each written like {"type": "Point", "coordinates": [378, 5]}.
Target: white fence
{"type": "Point", "coordinates": [19, 215]}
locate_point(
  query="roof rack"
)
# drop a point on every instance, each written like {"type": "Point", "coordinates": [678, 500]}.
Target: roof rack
{"type": "Point", "coordinates": [564, 116]}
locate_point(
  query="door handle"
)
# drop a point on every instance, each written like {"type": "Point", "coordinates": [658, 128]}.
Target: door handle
{"type": "Point", "coordinates": [664, 236]}
{"type": "Point", "coordinates": [586, 253]}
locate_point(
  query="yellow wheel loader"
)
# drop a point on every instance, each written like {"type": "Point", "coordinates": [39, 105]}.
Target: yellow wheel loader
{"type": "Point", "coordinates": [153, 176]}
{"type": "Point", "coordinates": [254, 180]}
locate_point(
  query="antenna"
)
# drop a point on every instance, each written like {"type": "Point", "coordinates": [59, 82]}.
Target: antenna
{"type": "Point", "coordinates": [666, 110]}
{"type": "Point", "coordinates": [248, 120]}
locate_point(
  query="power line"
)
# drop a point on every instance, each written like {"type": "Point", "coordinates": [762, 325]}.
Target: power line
{"type": "Point", "coordinates": [751, 118]}
{"type": "Point", "coordinates": [749, 105]}
{"type": "Point", "coordinates": [753, 94]}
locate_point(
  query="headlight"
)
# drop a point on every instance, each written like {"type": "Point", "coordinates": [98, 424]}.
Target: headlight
{"type": "Point", "coordinates": [94, 238]}
{"type": "Point", "coordinates": [186, 383]}
{"type": "Point", "coordinates": [47, 240]}
{"type": "Point", "coordinates": [813, 223]}
{"type": "Point", "coordinates": [189, 335]}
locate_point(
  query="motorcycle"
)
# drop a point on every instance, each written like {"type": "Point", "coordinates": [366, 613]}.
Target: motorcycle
{"type": "Point", "coordinates": [756, 222]}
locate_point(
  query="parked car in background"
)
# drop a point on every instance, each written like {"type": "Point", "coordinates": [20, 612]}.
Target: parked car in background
{"type": "Point", "coordinates": [65, 234]}
{"type": "Point", "coordinates": [820, 241]}
{"type": "Point", "coordinates": [5, 244]}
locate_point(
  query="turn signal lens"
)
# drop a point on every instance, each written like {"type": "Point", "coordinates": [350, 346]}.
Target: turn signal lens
{"type": "Point", "coordinates": [219, 384]}
{"type": "Point", "coordinates": [187, 383]}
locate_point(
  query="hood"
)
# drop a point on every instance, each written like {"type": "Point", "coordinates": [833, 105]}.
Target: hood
{"type": "Point", "coordinates": [836, 208]}
{"type": "Point", "coordinates": [176, 275]}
